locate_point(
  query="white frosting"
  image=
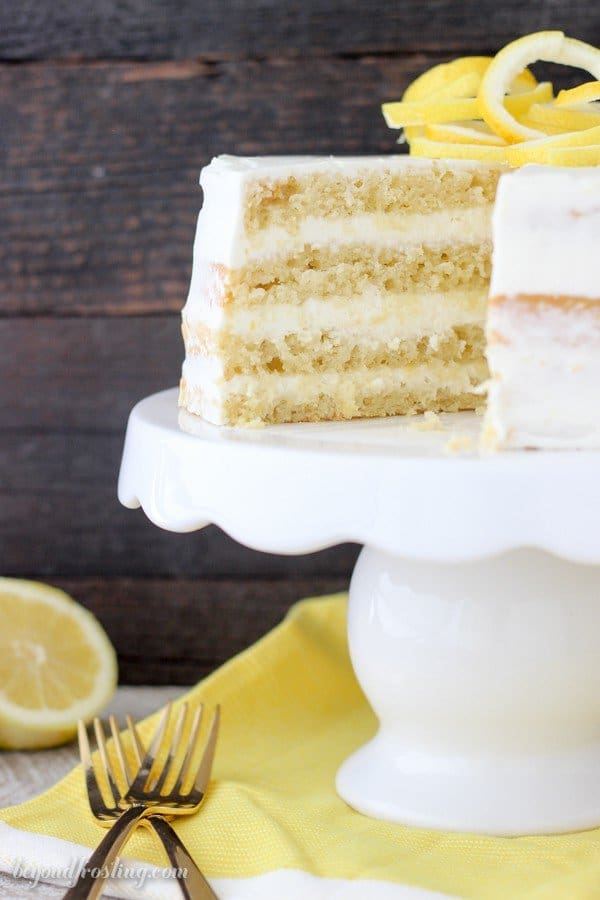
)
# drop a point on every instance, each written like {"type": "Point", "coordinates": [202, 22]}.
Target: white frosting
{"type": "Point", "coordinates": [220, 234]}
{"type": "Point", "coordinates": [369, 314]}
{"type": "Point", "coordinates": [546, 377]}
{"type": "Point", "coordinates": [546, 233]}
{"type": "Point", "coordinates": [243, 167]}
{"type": "Point", "coordinates": [545, 359]}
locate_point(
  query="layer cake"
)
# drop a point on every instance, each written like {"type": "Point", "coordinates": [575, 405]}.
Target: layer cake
{"type": "Point", "coordinates": [334, 288]}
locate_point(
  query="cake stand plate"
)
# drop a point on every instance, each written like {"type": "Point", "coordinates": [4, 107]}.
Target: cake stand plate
{"type": "Point", "coordinates": [474, 615]}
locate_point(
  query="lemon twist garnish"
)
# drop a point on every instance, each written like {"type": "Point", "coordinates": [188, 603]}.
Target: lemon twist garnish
{"type": "Point", "coordinates": [492, 108]}
{"type": "Point", "coordinates": [550, 46]}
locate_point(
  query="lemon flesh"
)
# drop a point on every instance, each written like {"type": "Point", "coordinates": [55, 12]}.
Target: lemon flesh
{"type": "Point", "coordinates": [57, 665]}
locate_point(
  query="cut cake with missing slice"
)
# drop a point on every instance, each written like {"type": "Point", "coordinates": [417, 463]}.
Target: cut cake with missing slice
{"type": "Point", "coordinates": [543, 328]}
{"type": "Point", "coordinates": [335, 288]}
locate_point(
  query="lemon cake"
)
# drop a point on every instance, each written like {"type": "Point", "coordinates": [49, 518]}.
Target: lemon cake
{"type": "Point", "coordinates": [334, 288]}
{"type": "Point", "coordinates": [543, 328]}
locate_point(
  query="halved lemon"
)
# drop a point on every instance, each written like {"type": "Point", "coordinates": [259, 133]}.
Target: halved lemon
{"type": "Point", "coordinates": [550, 46]}
{"type": "Point", "coordinates": [57, 665]}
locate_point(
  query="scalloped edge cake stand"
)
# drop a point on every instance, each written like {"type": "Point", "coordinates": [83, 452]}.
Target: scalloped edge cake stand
{"type": "Point", "coordinates": [480, 657]}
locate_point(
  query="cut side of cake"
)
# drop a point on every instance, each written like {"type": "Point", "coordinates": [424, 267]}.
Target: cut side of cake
{"type": "Point", "coordinates": [335, 288]}
{"type": "Point", "coordinates": [543, 328]}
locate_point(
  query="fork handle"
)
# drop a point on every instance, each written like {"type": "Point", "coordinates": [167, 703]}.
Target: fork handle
{"type": "Point", "coordinates": [88, 888]}
{"type": "Point", "coordinates": [193, 884]}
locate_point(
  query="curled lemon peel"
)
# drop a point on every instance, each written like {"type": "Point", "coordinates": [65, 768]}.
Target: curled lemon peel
{"type": "Point", "coordinates": [492, 108]}
{"type": "Point", "coordinates": [549, 46]}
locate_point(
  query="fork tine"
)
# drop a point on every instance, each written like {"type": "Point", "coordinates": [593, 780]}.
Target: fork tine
{"type": "Point", "coordinates": [184, 772]}
{"type": "Point", "coordinates": [84, 746]}
{"type": "Point", "coordinates": [126, 772]}
{"type": "Point", "coordinates": [91, 782]}
{"type": "Point", "coordinates": [138, 747]}
{"type": "Point", "coordinates": [106, 761]}
{"type": "Point", "coordinates": [204, 769]}
{"type": "Point", "coordinates": [141, 779]}
{"type": "Point", "coordinates": [171, 766]}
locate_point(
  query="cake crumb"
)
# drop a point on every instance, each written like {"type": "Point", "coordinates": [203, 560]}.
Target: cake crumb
{"type": "Point", "coordinates": [459, 443]}
{"type": "Point", "coordinates": [430, 422]}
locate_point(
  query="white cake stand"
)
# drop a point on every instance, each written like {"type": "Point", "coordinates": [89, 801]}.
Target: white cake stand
{"type": "Point", "coordinates": [480, 658]}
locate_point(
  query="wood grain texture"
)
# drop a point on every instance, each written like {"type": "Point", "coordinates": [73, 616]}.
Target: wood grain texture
{"type": "Point", "coordinates": [217, 29]}
{"type": "Point", "coordinates": [83, 374]}
{"type": "Point", "coordinates": [100, 165]}
{"type": "Point", "coordinates": [176, 631]}
{"type": "Point", "coordinates": [59, 515]}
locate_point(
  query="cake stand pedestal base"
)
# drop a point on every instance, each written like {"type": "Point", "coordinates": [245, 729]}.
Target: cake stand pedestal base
{"type": "Point", "coordinates": [484, 669]}
{"type": "Point", "coordinates": [485, 677]}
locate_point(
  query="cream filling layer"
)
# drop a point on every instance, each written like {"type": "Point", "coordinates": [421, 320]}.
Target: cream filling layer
{"type": "Point", "coordinates": [235, 248]}
{"type": "Point", "coordinates": [545, 367]}
{"type": "Point", "coordinates": [205, 373]}
{"type": "Point", "coordinates": [206, 398]}
{"type": "Point", "coordinates": [371, 315]}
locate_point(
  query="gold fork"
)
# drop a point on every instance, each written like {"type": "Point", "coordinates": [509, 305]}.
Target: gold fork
{"type": "Point", "coordinates": [146, 796]}
{"type": "Point", "coordinates": [192, 883]}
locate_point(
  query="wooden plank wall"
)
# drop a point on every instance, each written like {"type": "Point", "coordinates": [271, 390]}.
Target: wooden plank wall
{"type": "Point", "coordinates": [108, 111]}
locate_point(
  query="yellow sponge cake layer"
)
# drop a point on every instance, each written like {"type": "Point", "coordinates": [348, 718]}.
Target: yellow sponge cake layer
{"type": "Point", "coordinates": [357, 188]}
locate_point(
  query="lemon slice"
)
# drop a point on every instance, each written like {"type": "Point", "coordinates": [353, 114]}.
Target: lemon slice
{"type": "Point", "coordinates": [542, 150]}
{"type": "Point", "coordinates": [550, 46]}
{"type": "Point", "coordinates": [474, 132]}
{"type": "Point", "coordinates": [519, 104]}
{"type": "Point", "coordinates": [583, 93]}
{"type": "Point", "coordinates": [423, 146]}
{"type": "Point", "coordinates": [437, 77]}
{"type": "Point", "coordinates": [563, 119]}
{"type": "Point", "coordinates": [56, 665]}
{"type": "Point", "coordinates": [466, 85]}
{"type": "Point", "coordinates": [428, 112]}
{"type": "Point", "coordinates": [574, 156]}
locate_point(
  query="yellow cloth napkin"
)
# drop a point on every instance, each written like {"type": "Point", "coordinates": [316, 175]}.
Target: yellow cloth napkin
{"type": "Point", "coordinates": [292, 711]}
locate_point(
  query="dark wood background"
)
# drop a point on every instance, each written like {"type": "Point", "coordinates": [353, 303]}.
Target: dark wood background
{"type": "Point", "coordinates": [108, 109]}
